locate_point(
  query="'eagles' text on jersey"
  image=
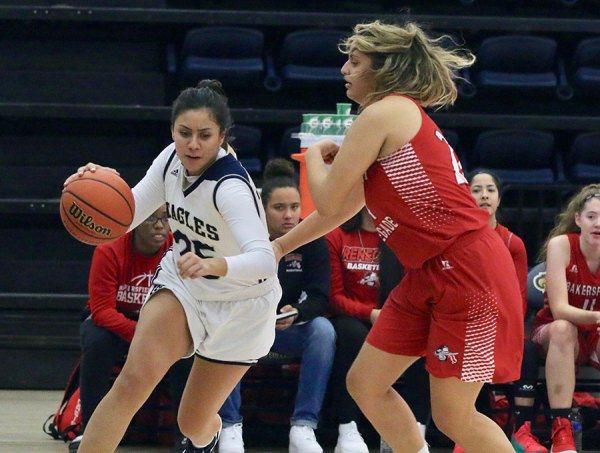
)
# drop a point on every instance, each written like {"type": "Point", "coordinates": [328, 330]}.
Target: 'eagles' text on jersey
{"type": "Point", "coordinates": [195, 218]}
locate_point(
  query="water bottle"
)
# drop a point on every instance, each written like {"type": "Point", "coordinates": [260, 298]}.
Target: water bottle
{"type": "Point", "coordinates": [384, 447]}
{"type": "Point", "coordinates": [577, 425]}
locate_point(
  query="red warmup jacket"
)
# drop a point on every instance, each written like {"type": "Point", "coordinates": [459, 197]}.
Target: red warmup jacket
{"type": "Point", "coordinates": [354, 272]}
{"type": "Point", "coordinates": [516, 247]}
{"type": "Point", "coordinates": [119, 281]}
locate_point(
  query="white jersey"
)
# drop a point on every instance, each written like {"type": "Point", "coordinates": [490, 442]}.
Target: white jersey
{"type": "Point", "coordinates": [218, 214]}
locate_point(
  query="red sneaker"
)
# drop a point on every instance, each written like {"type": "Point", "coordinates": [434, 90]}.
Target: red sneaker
{"type": "Point", "coordinates": [562, 436]}
{"type": "Point", "coordinates": [527, 441]}
{"type": "Point", "coordinates": [457, 449]}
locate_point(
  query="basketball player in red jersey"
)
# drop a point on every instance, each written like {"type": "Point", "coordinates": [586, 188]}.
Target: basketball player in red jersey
{"type": "Point", "coordinates": [459, 303]}
{"type": "Point", "coordinates": [567, 327]}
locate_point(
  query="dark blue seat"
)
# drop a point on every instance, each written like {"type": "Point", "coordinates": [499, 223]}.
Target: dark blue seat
{"type": "Point", "coordinates": [311, 57]}
{"type": "Point", "coordinates": [247, 143]}
{"type": "Point", "coordinates": [517, 155]}
{"type": "Point", "coordinates": [583, 162]}
{"type": "Point", "coordinates": [289, 145]}
{"type": "Point", "coordinates": [536, 286]}
{"type": "Point", "coordinates": [585, 75]}
{"type": "Point", "coordinates": [519, 64]}
{"type": "Point", "coordinates": [233, 55]}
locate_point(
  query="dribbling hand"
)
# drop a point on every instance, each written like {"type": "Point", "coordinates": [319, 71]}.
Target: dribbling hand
{"type": "Point", "coordinates": [87, 167]}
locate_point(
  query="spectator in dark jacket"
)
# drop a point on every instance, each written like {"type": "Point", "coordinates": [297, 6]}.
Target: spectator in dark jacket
{"type": "Point", "coordinates": [304, 276]}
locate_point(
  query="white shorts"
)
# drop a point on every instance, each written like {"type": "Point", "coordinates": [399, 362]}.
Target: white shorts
{"type": "Point", "coordinates": [236, 332]}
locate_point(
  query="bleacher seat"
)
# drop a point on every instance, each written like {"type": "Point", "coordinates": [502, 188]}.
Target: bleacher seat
{"type": "Point", "coordinates": [519, 65]}
{"type": "Point", "coordinates": [69, 87]}
{"type": "Point", "coordinates": [46, 182]}
{"type": "Point", "coordinates": [288, 144]}
{"type": "Point", "coordinates": [453, 140]}
{"type": "Point", "coordinates": [585, 76]}
{"type": "Point", "coordinates": [583, 161]}
{"type": "Point", "coordinates": [516, 155]}
{"type": "Point", "coordinates": [311, 58]}
{"type": "Point", "coordinates": [233, 55]}
{"type": "Point", "coordinates": [247, 144]}
{"type": "Point", "coordinates": [81, 72]}
{"type": "Point", "coordinates": [536, 286]}
{"type": "Point", "coordinates": [77, 55]}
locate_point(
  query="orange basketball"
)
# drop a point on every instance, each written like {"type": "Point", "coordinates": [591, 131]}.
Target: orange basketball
{"type": "Point", "coordinates": [97, 207]}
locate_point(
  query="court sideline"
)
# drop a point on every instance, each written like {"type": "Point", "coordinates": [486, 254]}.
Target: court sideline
{"type": "Point", "coordinates": [24, 412]}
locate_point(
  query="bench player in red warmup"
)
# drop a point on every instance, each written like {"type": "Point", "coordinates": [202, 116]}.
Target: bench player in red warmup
{"type": "Point", "coordinates": [566, 328]}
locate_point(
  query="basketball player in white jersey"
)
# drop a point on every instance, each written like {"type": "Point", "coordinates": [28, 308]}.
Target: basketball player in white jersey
{"type": "Point", "coordinates": [215, 292]}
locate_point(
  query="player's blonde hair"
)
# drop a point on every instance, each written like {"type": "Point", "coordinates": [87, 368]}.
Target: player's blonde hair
{"type": "Point", "coordinates": [406, 60]}
{"type": "Point", "coordinates": [565, 221]}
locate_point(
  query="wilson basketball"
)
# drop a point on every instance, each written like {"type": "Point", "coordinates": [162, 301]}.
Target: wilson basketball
{"type": "Point", "coordinates": [97, 207]}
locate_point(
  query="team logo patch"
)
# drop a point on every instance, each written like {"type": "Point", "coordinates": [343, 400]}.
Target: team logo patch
{"type": "Point", "coordinates": [370, 279]}
{"type": "Point", "coordinates": [446, 266]}
{"type": "Point", "coordinates": [293, 262]}
{"type": "Point", "coordinates": [443, 354]}
{"type": "Point", "coordinates": [539, 281]}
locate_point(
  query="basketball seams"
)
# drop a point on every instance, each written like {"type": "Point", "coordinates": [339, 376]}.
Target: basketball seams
{"type": "Point", "coordinates": [118, 190]}
{"type": "Point", "coordinates": [74, 195]}
{"type": "Point", "coordinates": [75, 231]}
{"type": "Point", "coordinates": [90, 207]}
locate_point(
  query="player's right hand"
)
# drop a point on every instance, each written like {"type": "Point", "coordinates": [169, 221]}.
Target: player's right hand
{"type": "Point", "coordinates": [87, 167]}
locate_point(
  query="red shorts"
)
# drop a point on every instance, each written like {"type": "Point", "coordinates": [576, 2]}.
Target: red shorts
{"type": "Point", "coordinates": [462, 311]}
{"type": "Point", "coordinates": [587, 339]}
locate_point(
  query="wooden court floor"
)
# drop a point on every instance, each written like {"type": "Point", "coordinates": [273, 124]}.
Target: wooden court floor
{"type": "Point", "coordinates": [23, 413]}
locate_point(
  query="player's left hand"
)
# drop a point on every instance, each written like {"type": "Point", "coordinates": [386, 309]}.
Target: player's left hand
{"type": "Point", "coordinates": [191, 265]}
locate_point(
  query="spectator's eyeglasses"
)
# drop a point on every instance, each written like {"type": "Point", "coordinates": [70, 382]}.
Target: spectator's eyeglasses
{"type": "Point", "coordinates": [153, 219]}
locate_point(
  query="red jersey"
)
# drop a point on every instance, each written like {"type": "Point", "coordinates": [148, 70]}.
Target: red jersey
{"type": "Point", "coordinates": [354, 271]}
{"type": "Point", "coordinates": [583, 287]}
{"type": "Point", "coordinates": [517, 250]}
{"type": "Point", "coordinates": [119, 280]}
{"type": "Point", "coordinates": [419, 197]}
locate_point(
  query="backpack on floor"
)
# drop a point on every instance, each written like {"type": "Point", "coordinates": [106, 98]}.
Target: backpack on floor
{"type": "Point", "coordinates": [66, 423]}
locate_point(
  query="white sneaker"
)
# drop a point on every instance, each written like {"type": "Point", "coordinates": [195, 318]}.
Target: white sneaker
{"type": "Point", "coordinates": [231, 440]}
{"type": "Point", "coordinates": [303, 440]}
{"type": "Point", "coordinates": [74, 445]}
{"type": "Point", "coordinates": [350, 440]}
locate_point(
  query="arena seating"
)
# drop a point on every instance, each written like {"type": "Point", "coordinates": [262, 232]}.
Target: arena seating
{"type": "Point", "coordinates": [93, 81]}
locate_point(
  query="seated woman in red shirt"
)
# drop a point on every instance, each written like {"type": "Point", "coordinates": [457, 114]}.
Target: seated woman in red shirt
{"type": "Point", "coordinates": [486, 188]}
{"type": "Point", "coordinates": [354, 255]}
{"type": "Point", "coordinates": [120, 276]}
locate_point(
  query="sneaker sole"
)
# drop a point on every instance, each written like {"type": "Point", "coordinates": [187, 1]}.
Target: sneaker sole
{"type": "Point", "coordinates": [564, 451]}
{"type": "Point", "coordinates": [297, 450]}
{"type": "Point", "coordinates": [339, 450]}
